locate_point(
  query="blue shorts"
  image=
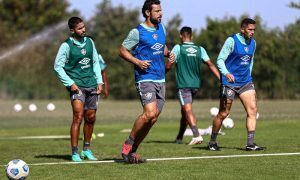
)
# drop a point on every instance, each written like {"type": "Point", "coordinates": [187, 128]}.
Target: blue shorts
{"type": "Point", "coordinates": [229, 92]}
{"type": "Point", "coordinates": [150, 92]}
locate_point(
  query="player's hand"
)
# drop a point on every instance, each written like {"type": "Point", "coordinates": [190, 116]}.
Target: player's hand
{"type": "Point", "coordinates": [229, 77]}
{"type": "Point", "coordinates": [143, 65]}
{"type": "Point", "coordinates": [105, 92]}
{"type": "Point", "coordinates": [171, 58]}
{"type": "Point", "coordinates": [74, 88]}
{"type": "Point", "coordinates": [99, 88]}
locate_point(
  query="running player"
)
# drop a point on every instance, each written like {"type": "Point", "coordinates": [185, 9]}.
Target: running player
{"type": "Point", "coordinates": [147, 43]}
{"type": "Point", "coordinates": [188, 59]}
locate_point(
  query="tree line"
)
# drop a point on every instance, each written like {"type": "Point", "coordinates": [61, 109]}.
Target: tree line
{"type": "Point", "coordinates": [29, 74]}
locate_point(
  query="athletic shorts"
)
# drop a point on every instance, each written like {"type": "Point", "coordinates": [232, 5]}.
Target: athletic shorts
{"type": "Point", "coordinates": [186, 95]}
{"type": "Point", "coordinates": [88, 96]}
{"type": "Point", "coordinates": [229, 92]}
{"type": "Point", "coordinates": [150, 92]}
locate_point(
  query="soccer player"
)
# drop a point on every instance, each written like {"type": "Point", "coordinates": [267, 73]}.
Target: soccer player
{"type": "Point", "coordinates": [235, 63]}
{"type": "Point", "coordinates": [77, 67]}
{"type": "Point", "coordinates": [147, 43]}
{"type": "Point", "coordinates": [188, 59]}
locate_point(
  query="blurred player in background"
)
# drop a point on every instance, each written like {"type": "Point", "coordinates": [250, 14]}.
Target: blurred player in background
{"type": "Point", "coordinates": [105, 91]}
{"type": "Point", "coordinates": [77, 67]}
{"type": "Point", "coordinates": [188, 60]}
{"type": "Point", "coordinates": [235, 63]}
{"type": "Point", "coordinates": [145, 48]}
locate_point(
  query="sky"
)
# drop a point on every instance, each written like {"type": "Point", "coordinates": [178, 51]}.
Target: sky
{"type": "Point", "coordinates": [274, 13]}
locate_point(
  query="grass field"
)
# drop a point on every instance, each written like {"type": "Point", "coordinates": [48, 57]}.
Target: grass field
{"type": "Point", "coordinates": [278, 130]}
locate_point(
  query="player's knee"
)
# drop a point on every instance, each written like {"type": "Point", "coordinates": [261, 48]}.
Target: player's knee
{"type": "Point", "coordinates": [77, 117]}
{"type": "Point", "coordinates": [223, 114]}
{"type": "Point", "coordinates": [252, 113]}
{"type": "Point", "coordinates": [151, 115]}
{"type": "Point", "coordinates": [90, 118]}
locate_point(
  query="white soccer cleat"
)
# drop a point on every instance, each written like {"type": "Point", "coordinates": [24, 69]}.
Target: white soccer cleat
{"type": "Point", "coordinates": [196, 140]}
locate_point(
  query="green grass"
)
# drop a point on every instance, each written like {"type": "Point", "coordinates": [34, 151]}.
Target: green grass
{"type": "Point", "coordinates": [278, 130]}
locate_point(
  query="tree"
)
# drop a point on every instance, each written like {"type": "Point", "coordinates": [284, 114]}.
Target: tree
{"type": "Point", "coordinates": [109, 27]}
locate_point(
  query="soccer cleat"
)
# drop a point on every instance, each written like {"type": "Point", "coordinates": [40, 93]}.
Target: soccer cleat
{"type": "Point", "coordinates": [254, 147]}
{"type": "Point", "coordinates": [178, 141]}
{"type": "Point", "coordinates": [88, 154]}
{"type": "Point", "coordinates": [196, 140]}
{"type": "Point", "coordinates": [213, 147]}
{"type": "Point", "coordinates": [76, 158]}
{"type": "Point", "coordinates": [126, 149]}
{"type": "Point", "coordinates": [133, 158]}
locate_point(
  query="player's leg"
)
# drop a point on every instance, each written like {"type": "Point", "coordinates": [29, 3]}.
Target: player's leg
{"type": "Point", "coordinates": [186, 100]}
{"type": "Point", "coordinates": [182, 128]}
{"type": "Point", "coordinates": [90, 109]}
{"type": "Point", "coordinates": [248, 99]}
{"type": "Point", "coordinates": [144, 122]}
{"type": "Point", "coordinates": [226, 100]}
{"type": "Point", "coordinates": [77, 106]}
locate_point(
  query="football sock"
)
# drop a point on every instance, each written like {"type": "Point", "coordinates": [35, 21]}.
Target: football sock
{"type": "Point", "coordinates": [134, 148]}
{"type": "Point", "coordinates": [75, 150]}
{"type": "Point", "coordinates": [195, 131]}
{"type": "Point", "coordinates": [86, 146]}
{"type": "Point", "coordinates": [250, 137]}
{"type": "Point", "coordinates": [213, 137]}
{"type": "Point", "coordinates": [130, 140]}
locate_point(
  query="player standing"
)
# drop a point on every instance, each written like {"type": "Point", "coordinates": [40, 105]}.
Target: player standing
{"type": "Point", "coordinates": [235, 63]}
{"type": "Point", "coordinates": [77, 67]}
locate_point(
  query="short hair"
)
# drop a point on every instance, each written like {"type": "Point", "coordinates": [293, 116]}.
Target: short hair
{"type": "Point", "coordinates": [247, 21]}
{"type": "Point", "coordinates": [186, 31]}
{"type": "Point", "coordinates": [73, 21]}
{"type": "Point", "coordinates": [148, 6]}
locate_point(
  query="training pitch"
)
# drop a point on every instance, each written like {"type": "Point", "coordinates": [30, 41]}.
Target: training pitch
{"type": "Point", "coordinates": [41, 139]}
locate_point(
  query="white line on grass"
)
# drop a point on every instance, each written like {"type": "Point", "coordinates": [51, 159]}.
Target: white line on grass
{"type": "Point", "coordinates": [169, 159]}
{"type": "Point", "coordinates": [37, 137]}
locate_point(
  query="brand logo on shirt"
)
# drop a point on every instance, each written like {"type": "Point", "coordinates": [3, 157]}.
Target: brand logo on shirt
{"type": "Point", "coordinates": [246, 49]}
{"type": "Point", "coordinates": [85, 62]}
{"type": "Point", "coordinates": [157, 46]}
{"type": "Point", "coordinates": [83, 51]}
{"type": "Point", "coordinates": [245, 60]}
{"type": "Point", "coordinates": [191, 51]}
{"type": "Point", "coordinates": [155, 36]}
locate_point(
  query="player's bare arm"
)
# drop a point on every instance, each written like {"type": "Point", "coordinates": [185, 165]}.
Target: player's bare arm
{"type": "Point", "coordinates": [126, 55]}
{"type": "Point", "coordinates": [213, 68]}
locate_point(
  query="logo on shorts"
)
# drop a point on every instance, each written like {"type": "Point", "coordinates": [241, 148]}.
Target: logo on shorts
{"type": "Point", "coordinates": [83, 51]}
{"type": "Point", "coordinates": [229, 92]}
{"type": "Point", "coordinates": [148, 95]}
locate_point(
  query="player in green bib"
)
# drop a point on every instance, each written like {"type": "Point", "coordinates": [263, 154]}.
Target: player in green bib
{"type": "Point", "coordinates": [77, 67]}
{"type": "Point", "coordinates": [189, 58]}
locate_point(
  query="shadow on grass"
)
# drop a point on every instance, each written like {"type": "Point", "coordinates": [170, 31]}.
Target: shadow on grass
{"type": "Point", "coordinates": [55, 156]}
{"type": "Point", "coordinates": [160, 142]}
{"type": "Point", "coordinates": [221, 147]}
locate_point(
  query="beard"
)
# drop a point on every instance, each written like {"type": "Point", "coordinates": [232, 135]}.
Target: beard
{"type": "Point", "coordinates": [154, 21]}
